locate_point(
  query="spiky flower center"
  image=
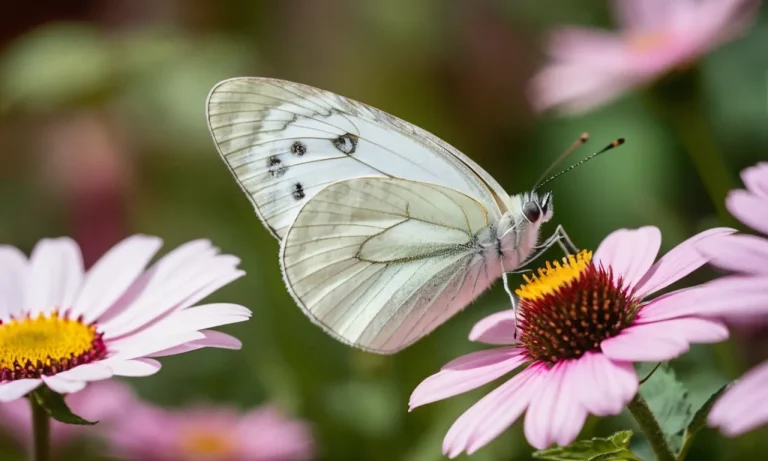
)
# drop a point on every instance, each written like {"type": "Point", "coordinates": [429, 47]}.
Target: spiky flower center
{"type": "Point", "coordinates": [569, 308]}
{"type": "Point", "coordinates": [46, 345]}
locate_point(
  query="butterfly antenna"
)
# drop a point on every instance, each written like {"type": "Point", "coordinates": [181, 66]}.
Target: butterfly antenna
{"type": "Point", "coordinates": [574, 145]}
{"type": "Point", "coordinates": [610, 146]}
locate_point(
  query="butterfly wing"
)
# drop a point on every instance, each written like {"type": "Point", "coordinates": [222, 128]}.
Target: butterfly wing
{"type": "Point", "coordinates": [285, 141]}
{"type": "Point", "coordinates": [380, 262]}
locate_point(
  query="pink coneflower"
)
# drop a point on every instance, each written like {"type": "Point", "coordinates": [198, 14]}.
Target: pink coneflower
{"type": "Point", "coordinates": [590, 67]}
{"type": "Point", "coordinates": [742, 297]}
{"type": "Point", "coordinates": [64, 327]}
{"type": "Point", "coordinates": [103, 401]}
{"type": "Point", "coordinates": [581, 324]}
{"type": "Point", "coordinates": [209, 433]}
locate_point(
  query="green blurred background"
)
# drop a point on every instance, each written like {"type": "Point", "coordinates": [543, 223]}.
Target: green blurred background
{"type": "Point", "coordinates": [103, 134]}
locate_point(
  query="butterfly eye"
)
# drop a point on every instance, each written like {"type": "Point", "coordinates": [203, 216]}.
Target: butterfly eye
{"type": "Point", "coordinates": [531, 211]}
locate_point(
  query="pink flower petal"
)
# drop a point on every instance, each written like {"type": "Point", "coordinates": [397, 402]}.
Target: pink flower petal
{"type": "Point", "coordinates": [629, 253]}
{"type": "Point", "coordinates": [664, 340]}
{"type": "Point", "coordinates": [756, 179]}
{"type": "Point", "coordinates": [14, 390]}
{"type": "Point", "coordinates": [734, 297]}
{"type": "Point", "coordinates": [738, 253]}
{"type": "Point", "coordinates": [679, 262]}
{"type": "Point", "coordinates": [493, 414]}
{"type": "Point", "coordinates": [675, 304]}
{"type": "Point", "coordinates": [134, 368]}
{"type": "Point", "coordinates": [498, 328]}
{"type": "Point", "coordinates": [588, 47]}
{"type": "Point", "coordinates": [538, 425]}
{"type": "Point", "coordinates": [568, 419]}
{"type": "Point", "coordinates": [56, 274]}
{"type": "Point", "coordinates": [642, 15]}
{"type": "Point", "coordinates": [63, 386]}
{"type": "Point", "coordinates": [574, 88]}
{"type": "Point", "coordinates": [742, 407]}
{"type": "Point", "coordinates": [604, 387]}
{"type": "Point", "coordinates": [635, 346]}
{"type": "Point", "coordinates": [14, 271]}
{"type": "Point", "coordinates": [466, 373]}
{"type": "Point", "coordinates": [749, 209]}
{"type": "Point", "coordinates": [111, 276]}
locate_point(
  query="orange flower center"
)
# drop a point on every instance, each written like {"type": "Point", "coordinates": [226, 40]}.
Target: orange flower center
{"type": "Point", "coordinates": [206, 444]}
{"type": "Point", "coordinates": [646, 42]}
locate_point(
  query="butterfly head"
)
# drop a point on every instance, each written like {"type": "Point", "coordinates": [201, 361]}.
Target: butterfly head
{"type": "Point", "coordinates": [535, 208]}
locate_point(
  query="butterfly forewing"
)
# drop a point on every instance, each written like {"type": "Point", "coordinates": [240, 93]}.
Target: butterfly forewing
{"type": "Point", "coordinates": [381, 262]}
{"type": "Point", "coordinates": [284, 142]}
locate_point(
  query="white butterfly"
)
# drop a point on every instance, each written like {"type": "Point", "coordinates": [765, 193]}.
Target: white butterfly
{"type": "Point", "coordinates": [385, 230]}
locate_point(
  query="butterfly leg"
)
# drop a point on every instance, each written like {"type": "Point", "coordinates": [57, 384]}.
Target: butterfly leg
{"type": "Point", "coordinates": [565, 242]}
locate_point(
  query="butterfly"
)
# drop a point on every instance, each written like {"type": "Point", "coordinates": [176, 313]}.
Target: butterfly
{"type": "Point", "coordinates": [385, 230]}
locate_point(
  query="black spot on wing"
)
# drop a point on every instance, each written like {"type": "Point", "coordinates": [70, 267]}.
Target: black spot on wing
{"type": "Point", "coordinates": [275, 166]}
{"type": "Point", "coordinates": [298, 148]}
{"type": "Point", "coordinates": [298, 191]}
{"type": "Point", "coordinates": [346, 143]}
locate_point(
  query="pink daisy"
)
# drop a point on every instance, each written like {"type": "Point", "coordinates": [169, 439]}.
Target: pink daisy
{"type": "Point", "coordinates": [104, 401]}
{"type": "Point", "coordinates": [590, 67]}
{"type": "Point", "coordinates": [742, 298]}
{"type": "Point", "coordinates": [208, 433]}
{"type": "Point", "coordinates": [580, 327]}
{"type": "Point", "coordinates": [63, 326]}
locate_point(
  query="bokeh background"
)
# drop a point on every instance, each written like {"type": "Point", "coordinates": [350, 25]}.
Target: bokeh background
{"type": "Point", "coordinates": [103, 134]}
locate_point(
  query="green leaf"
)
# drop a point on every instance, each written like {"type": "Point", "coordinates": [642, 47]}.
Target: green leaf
{"type": "Point", "coordinates": [615, 447]}
{"type": "Point", "coordinates": [669, 402]}
{"type": "Point", "coordinates": [56, 407]}
{"type": "Point", "coordinates": [699, 419]}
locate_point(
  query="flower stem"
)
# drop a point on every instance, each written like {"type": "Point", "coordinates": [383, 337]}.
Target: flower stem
{"type": "Point", "coordinates": [41, 431]}
{"type": "Point", "coordinates": [686, 445]}
{"type": "Point", "coordinates": [678, 99]}
{"type": "Point", "coordinates": [650, 427]}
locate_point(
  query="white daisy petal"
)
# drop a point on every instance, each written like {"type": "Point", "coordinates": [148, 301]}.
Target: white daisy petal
{"type": "Point", "coordinates": [14, 390]}
{"type": "Point", "coordinates": [145, 344]}
{"type": "Point", "coordinates": [113, 274]}
{"type": "Point", "coordinates": [63, 386]}
{"type": "Point", "coordinates": [213, 338]}
{"type": "Point", "coordinates": [148, 309]}
{"type": "Point", "coordinates": [135, 367]}
{"type": "Point", "coordinates": [56, 274]}
{"type": "Point", "coordinates": [14, 270]}
{"type": "Point", "coordinates": [87, 372]}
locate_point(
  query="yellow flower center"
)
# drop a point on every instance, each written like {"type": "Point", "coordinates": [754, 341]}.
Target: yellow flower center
{"type": "Point", "coordinates": [554, 276]}
{"type": "Point", "coordinates": [46, 345]}
{"type": "Point", "coordinates": [645, 42]}
{"type": "Point", "coordinates": [202, 443]}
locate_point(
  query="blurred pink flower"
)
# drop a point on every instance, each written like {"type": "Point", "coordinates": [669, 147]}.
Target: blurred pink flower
{"type": "Point", "coordinates": [64, 327]}
{"type": "Point", "coordinates": [742, 298]}
{"type": "Point", "coordinates": [104, 401]}
{"type": "Point", "coordinates": [207, 433]}
{"type": "Point", "coordinates": [580, 326]}
{"type": "Point", "coordinates": [590, 67]}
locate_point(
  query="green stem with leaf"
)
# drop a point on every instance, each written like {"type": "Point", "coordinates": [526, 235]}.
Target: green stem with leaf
{"type": "Point", "coordinates": [639, 409]}
{"type": "Point", "coordinates": [41, 431]}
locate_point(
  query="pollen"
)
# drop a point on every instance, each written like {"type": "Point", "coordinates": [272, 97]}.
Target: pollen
{"type": "Point", "coordinates": [46, 345]}
{"type": "Point", "coordinates": [554, 276]}
{"type": "Point", "coordinates": [569, 308]}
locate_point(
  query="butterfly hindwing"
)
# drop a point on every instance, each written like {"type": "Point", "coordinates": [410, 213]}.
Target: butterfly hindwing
{"type": "Point", "coordinates": [284, 142]}
{"type": "Point", "coordinates": [381, 262]}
